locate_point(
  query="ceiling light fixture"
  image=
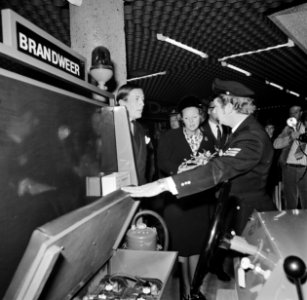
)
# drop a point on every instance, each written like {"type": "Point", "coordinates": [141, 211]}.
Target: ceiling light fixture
{"type": "Point", "coordinates": [290, 43]}
{"type": "Point", "coordinates": [163, 38]}
{"type": "Point", "coordinates": [230, 66]}
{"type": "Point", "coordinates": [147, 76]}
{"type": "Point", "coordinates": [274, 85]}
{"type": "Point", "coordinates": [293, 93]}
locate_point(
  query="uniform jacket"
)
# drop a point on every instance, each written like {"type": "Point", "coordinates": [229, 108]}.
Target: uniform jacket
{"type": "Point", "coordinates": [140, 152]}
{"type": "Point", "coordinates": [245, 163]}
{"type": "Point", "coordinates": [173, 148]}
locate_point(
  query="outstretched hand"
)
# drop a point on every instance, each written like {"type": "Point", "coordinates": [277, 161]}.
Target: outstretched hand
{"type": "Point", "coordinates": [147, 190]}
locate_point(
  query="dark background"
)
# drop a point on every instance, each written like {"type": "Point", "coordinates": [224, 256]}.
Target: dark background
{"type": "Point", "coordinates": [38, 116]}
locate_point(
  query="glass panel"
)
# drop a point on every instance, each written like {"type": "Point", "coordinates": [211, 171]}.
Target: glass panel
{"type": "Point", "coordinates": [49, 143]}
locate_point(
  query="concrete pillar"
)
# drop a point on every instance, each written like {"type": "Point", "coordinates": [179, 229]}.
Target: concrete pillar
{"type": "Point", "coordinates": [100, 23]}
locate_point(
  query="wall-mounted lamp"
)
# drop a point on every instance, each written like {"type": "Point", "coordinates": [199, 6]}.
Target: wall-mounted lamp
{"type": "Point", "coordinates": [102, 68]}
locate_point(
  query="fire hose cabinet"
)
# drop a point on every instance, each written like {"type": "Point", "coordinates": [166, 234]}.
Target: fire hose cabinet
{"type": "Point", "coordinates": [78, 257]}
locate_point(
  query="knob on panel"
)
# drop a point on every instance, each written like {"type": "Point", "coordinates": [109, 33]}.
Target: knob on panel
{"type": "Point", "coordinates": [294, 267]}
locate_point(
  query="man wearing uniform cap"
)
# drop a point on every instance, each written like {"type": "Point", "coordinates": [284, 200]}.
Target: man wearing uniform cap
{"type": "Point", "coordinates": [245, 162]}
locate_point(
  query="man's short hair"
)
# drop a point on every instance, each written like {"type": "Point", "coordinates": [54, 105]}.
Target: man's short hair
{"type": "Point", "coordinates": [124, 91]}
{"type": "Point", "coordinates": [294, 106]}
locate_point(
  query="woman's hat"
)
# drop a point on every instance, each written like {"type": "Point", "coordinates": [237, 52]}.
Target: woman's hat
{"type": "Point", "coordinates": [189, 101]}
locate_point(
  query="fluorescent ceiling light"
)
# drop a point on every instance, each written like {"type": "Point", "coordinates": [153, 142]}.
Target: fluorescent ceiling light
{"type": "Point", "coordinates": [163, 38]}
{"type": "Point", "coordinates": [290, 43]}
{"type": "Point", "coordinates": [147, 76]}
{"type": "Point", "coordinates": [274, 85]}
{"type": "Point", "coordinates": [282, 88]}
{"type": "Point", "coordinates": [293, 93]}
{"type": "Point", "coordinates": [225, 64]}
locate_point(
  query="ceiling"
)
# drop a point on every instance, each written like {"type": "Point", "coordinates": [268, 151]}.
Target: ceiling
{"type": "Point", "coordinates": [219, 28]}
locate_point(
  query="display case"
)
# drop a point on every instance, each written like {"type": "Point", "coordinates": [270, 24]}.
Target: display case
{"type": "Point", "coordinates": [68, 257]}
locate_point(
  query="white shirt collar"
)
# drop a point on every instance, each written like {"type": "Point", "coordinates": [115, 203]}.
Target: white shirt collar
{"type": "Point", "coordinates": [213, 127]}
{"type": "Point", "coordinates": [212, 124]}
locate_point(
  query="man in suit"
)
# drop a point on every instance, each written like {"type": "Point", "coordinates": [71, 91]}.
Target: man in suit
{"type": "Point", "coordinates": [132, 97]}
{"type": "Point", "coordinates": [245, 163]}
{"type": "Point", "coordinates": [215, 134]}
{"type": "Point", "coordinates": [174, 120]}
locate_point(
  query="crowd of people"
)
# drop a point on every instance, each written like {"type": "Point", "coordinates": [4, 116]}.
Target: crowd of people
{"type": "Point", "coordinates": [204, 147]}
{"type": "Point", "coordinates": [217, 141]}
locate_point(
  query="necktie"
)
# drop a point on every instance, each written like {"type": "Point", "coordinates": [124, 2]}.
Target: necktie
{"type": "Point", "coordinates": [219, 136]}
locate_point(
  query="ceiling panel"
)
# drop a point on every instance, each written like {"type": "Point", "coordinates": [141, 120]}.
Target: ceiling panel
{"type": "Point", "coordinates": [217, 27]}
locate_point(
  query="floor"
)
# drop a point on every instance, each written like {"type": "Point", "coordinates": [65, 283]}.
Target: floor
{"type": "Point", "coordinates": [215, 289]}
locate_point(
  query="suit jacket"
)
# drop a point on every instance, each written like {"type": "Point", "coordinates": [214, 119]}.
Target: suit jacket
{"type": "Point", "coordinates": [173, 148]}
{"type": "Point", "coordinates": [246, 163]}
{"type": "Point", "coordinates": [140, 152]}
{"type": "Point", "coordinates": [211, 143]}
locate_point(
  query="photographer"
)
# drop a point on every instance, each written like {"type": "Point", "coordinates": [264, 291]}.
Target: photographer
{"type": "Point", "coordinates": [293, 159]}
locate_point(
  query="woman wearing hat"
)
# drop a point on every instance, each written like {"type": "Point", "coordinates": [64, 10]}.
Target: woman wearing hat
{"type": "Point", "coordinates": [185, 219]}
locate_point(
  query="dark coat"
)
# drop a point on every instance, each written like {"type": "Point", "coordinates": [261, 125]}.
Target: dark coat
{"type": "Point", "coordinates": [140, 152]}
{"type": "Point", "coordinates": [246, 163]}
{"type": "Point", "coordinates": [186, 220]}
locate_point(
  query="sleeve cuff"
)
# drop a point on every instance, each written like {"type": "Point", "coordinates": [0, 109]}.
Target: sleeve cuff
{"type": "Point", "coordinates": [171, 185]}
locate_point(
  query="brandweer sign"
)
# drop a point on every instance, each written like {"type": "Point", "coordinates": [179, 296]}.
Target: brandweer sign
{"type": "Point", "coordinates": [40, 48]}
